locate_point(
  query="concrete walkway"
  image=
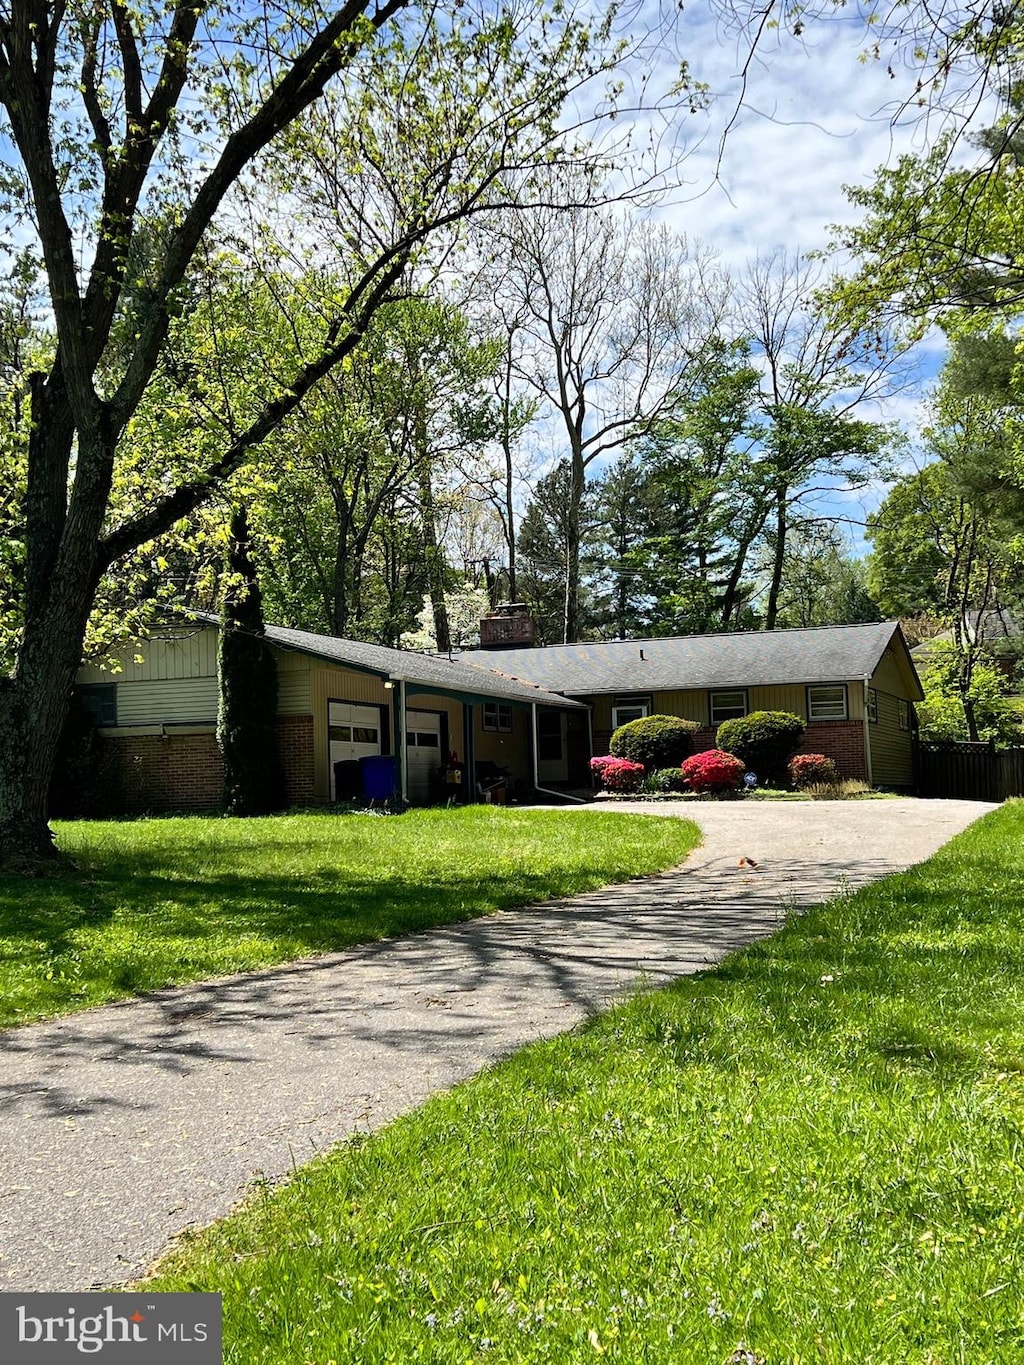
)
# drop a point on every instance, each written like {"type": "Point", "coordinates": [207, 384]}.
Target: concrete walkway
{"type": "Point", "coordinates": [122, 1125]}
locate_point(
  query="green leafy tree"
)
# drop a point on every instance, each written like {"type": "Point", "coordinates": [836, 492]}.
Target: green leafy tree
{"type": "Point", "coordinates": [976, 709]}
{"type": "Point", "coordinates": [822, 584]}
{"type": "Point", "coordinates": [104, 112]}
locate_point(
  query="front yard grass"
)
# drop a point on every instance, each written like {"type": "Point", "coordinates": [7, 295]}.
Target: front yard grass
{"type": "Point", "coordinates": [812, 1153]}
{"type": "Point", "coordinates": [163, 902]}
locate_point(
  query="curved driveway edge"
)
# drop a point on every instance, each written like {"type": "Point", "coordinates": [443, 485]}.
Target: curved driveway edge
{"type": "Point", "coordinates": [125, 1124]}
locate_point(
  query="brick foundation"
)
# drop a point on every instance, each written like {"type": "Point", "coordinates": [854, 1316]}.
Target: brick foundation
{"type": "Point", "coordinates": [153, 774]}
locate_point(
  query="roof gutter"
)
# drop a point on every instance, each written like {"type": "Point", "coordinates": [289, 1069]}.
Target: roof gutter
{"type": "Point", "coordinates": [562, 796]}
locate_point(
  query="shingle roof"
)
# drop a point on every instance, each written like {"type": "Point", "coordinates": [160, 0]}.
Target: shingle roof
{"type": "Point", "coordinates": [753, 658]}
{"type": "Point", "coordinates": [426, 670]}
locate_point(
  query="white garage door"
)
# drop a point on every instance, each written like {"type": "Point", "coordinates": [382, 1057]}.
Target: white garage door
{"type": "Point", "coordinates": [353, 733]}
{"type": "Point", "coordinates": [423, 752]}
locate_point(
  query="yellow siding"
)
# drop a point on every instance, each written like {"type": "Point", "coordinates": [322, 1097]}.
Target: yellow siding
{"type": "Point", "coordinates": [340, 684]}
{"type": "Point", "coordinates": [694, 703]}
{"type": "Point", "coordinates": [892, 757]}
{"type": "Point", "coordinates": [688, 705]}
{"type": "Point", "coordinates": [513, 751]}
{"type": "Point", "coordinates": [293, 690]}
{"type": "Point", "coordinates": [448, 707]}
{"type": "Point", "coordinates": [173, 700]}
{"type": "Point", "coordinates": [893, 675]}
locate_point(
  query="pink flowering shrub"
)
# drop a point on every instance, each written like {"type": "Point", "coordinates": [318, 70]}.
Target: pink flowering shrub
{"type": "Point", "coordinates": [806, 770]}
{"type": "Point", "coordinates": [617, 774]}
{"type": "Point", "coordinates": [714, 771]}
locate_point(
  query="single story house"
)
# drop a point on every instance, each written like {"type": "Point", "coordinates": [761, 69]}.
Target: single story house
{"type": "Point", "coordinates": [854, 686]}
{"type": "Point", "coordinates": [339, 701]}
{"type": "Point", "coordinates": [536, 715]}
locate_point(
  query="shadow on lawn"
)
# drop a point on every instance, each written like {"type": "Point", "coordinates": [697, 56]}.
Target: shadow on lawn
{"type": "Point", "coordinates": [471, 989]}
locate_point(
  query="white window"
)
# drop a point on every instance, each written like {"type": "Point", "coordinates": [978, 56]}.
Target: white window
{"type": "Point", "coordinates": [497, 716]}
{"type": "Point", "coordinates": [827, 702]}
{"type": "Point", "coordinates": [904, 710]}
{"type": "Point", "coordinates": [872, 706]}
{"type": "Point", "coordinates": [726, 706]}
{"type": "Point", "coordinates": [629, 708]}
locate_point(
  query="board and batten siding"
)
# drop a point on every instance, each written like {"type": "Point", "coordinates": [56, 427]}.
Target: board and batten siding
{"type": "Point", "coordinates": [892, 753]}
{"type": "Point", "coordinates": [694, 704]}
{"type": "Point", "coordinates": [192, 654]}
{"type": "Point", "coordinates": [173, 680]}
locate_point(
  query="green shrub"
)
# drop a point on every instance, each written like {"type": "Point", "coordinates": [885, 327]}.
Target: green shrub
{"type": "Point", "coordinates": [665, 780]}
{"type": "Point", "coordinates": [808, 770]}
{"type": "Point", "coordinates": [655, 741]}
{"type": "Point", "coordinates": [765, 741]}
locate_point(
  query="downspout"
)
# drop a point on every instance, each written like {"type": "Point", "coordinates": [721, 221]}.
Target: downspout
{"type": "Point", "coordinates": [562, 796]}
{"type": "Point", "coordinates": [867, 729]}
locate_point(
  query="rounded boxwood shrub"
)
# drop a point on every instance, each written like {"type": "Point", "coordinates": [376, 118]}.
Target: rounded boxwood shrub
{"type": "Point", "coordinates": [807, 770]}
{"type": "Point", "coordinates": [666, 780]}
{"type": "Point", "coordinates": [765, 741]}
{"type": "Point", "coordinates": [655, 741]}
{"type": "Point", "coordinates": [713, 771]}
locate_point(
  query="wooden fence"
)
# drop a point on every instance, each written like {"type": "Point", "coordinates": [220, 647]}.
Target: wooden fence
{"type": "Point", "coordinates": [969, 772]}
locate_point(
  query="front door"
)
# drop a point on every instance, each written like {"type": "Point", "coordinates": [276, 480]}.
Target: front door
{"type": "Point", "coordinates": [353, 733]}
{"type": "Point", "coordinates": [552, 756]}
{"type": "Point", "coordinates": [422, 753]}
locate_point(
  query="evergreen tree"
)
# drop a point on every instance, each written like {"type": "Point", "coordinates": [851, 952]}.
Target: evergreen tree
{"type": "Point", "coordinates": [247, 675]}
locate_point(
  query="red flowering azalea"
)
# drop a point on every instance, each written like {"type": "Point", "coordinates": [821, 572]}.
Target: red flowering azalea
{"type": "Point", "coordinates": [714, 771]}
{"type": "Point", "coordinates": [617, 774]}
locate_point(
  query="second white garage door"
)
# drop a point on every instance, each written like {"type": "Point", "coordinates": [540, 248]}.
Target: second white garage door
{"type": "Point", "coordinates": [423, 752]}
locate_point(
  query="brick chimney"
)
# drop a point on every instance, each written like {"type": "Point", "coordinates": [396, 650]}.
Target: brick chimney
{"type": "Point", "coordinates": [508, 627]}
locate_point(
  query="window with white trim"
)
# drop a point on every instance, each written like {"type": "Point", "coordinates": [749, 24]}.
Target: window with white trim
{"type": "Point", "coordinates": [726, 706]}
{"type": "Point", "coordinates": [904, 714]}
{"type": "Point", "coordinates": [872, 706]}
{"type": "Point", "coordinates": [626, 709]}
{"type": "Point", "coordinates": [827, 701]}
{"type": "Point", "coordinates": [497, 716]}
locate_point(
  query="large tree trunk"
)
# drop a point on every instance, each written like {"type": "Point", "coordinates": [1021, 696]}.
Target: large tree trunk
{"type": "Point", "coordinates": [33, 708]}
{"type": "Point", "coordinates": [61, 574]}
{"type": "Point", "coordinates": [573, 537]}
{"type": "Point", "coordinates": [778, 562]}
{"type": "Point", "coordinates": [435, 562]}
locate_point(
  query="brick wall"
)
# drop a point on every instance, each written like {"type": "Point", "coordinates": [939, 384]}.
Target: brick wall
{"type": "Point", "coordinates": [295, 747]}
{"type": "Point", "coordinates": [840, 740]}
{"type": "Point", "coordinates": [151, 774]}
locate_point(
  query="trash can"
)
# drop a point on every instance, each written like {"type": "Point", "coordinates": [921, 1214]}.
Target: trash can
{"type": "Point", "coordinates": [379, 777]}
{"type": "Point", "coordinates": [348, 780]}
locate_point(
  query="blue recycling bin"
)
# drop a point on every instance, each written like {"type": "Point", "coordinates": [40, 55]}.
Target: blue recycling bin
{"type": "Point", "coordinates": [380, 777]}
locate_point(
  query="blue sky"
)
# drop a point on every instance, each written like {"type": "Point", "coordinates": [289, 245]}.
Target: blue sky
{"type": "Point", "coordinates": [812, 117]}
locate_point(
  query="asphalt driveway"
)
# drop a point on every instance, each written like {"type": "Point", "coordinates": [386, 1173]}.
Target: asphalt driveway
{"type": "Point", "coordinates": [123, 1125]}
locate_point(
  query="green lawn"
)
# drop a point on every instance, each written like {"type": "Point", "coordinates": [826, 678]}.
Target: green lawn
{"type": "Point", "coordinates": [161, 902]}
{"type": "Point", "coordinates": [814, 1150]}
